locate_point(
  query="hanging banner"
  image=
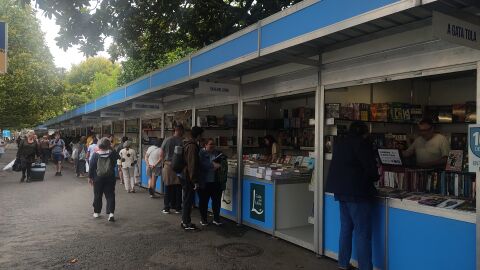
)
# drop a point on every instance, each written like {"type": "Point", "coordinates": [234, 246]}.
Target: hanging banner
{"type": "Point", "coordinates": [456, 31]}
{"type": "Point", "coordinates": [145, 106]}
{"type": "Point", "coordinates": [3, 46]}
{"type": "Point", "coordinates": [107, 114]}
{"type": "Point", "coordinates": [473, 148]}
{"type": "Point", "coordinates": [210, 88]}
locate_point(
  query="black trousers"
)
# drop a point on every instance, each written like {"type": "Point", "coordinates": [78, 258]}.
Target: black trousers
{"type": "Point", "coordinates": [210, 191]}
{"type": "Point", "coordinates": [27, 167]}
{"type": "Point", "coordinates": [81, 167]}
{"type": "Point", "coordinates": [101, 187]}
{"type": "Point", "coordinates": [173, 197]}
{"type": "Point", "coordinates": [188, 197]}
{"type": "Point", "coordinates": [45, 155]}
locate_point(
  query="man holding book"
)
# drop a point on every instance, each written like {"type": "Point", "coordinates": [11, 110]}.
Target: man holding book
{"type": "Point", "coordinates": [430, 148]}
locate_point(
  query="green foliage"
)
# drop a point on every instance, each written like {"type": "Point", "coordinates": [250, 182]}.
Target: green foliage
{"type": "Point", "coordinates": [32, 90]}
{"type": "Point", "coordinates": [150, 33]}
{"type": "Point", "coordinates": [89, 80]}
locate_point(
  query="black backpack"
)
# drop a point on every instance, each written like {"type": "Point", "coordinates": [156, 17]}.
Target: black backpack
{"type": "Point", "coordinates": [178, 161]}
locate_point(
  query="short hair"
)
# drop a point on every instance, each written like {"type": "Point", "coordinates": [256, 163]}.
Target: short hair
{"type": "Point", "coordinates": [124, 139]}
{"type": "Point", "coordinates": [358, 128]}
{"type": "Point", "coordinates": [426, 121]}
{"type": "Point", "coordinates": [196, 132]}
{"type": "Point", "coordinates": [158, 143]}
{"type": "Point", "coordinates": [95, 140]}
{"type": "Point", "coordinates": [179, 127]}
{"type": "Point", "coordinates": [104, 143]}
{"type": "Point", "coordinates": [127, 144]}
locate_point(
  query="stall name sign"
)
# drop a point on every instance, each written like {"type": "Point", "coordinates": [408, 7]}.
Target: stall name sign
{"type": "Point", "coordinates": [257, 202]}
{"type": "Point", "coordinates": [90, 118]}
{"type": "Point", "coordinates": [473, 148]}
{"type": "Point", "coordinates": [111, 114]}
{"type": "Point", "coordinates": [3, 47]}
{"type": "Point", "coordinates": [145, 106]}
{"type": "Point", "coordinates": [456, 31]}
{"type": "Point", "coordinates": [209, 88]}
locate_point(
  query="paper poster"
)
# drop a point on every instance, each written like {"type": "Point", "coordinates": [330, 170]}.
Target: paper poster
{"type": "Point", "coordinates": [257, 202]}
{"type": "Point", "coordinates": [390, 157]}
{"type": "Point", "coordinates": [227, 195]}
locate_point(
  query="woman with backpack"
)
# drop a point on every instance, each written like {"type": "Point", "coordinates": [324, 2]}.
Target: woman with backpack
{"type": "Point", "coordinates": [102, 177]}
{"type": "Point", "coordinates": [28, 150]}
{"type": "Point", "coordinates": [127, 163]}
{"type": "Point", "coordinates": [81, 157]}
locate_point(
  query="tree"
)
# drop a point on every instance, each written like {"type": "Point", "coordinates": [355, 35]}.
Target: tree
{"type": "Point", "coordinates": [90, 79]}
{"type": "Point", "coordinates": [145, 31]}
{"type": "Point", "coordinates": [32, 90]}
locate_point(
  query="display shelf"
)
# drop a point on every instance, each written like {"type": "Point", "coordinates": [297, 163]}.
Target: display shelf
{"type": "Point", "coordinates": [219, 128]}
{"type": "Point", "coordinates": [333, 121]}
{"type": "Point", "coordinates": [307, 148]}
{"type": "Point", "coordinates": [302, 236]}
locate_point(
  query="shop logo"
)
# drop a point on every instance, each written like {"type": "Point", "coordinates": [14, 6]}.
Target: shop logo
{"type": "Point", "coordinates": [475, 141]}
{"type": "Point", "coordinates": [257, 203]}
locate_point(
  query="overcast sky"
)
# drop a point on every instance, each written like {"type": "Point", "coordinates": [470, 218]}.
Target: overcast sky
{"type": "Point", "coordinates": [63, 59]}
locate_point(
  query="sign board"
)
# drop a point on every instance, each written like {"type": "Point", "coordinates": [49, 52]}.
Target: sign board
{"type": "Point", "coordinates": [145, 106]}
{"type": "Point", "coordinates": [3, 46]}
{"type": "Point", "coordinates": [6, 134]}
{"type": "Point", "coordinates": [390, 157]}
{"type": "Point", "coordinates": [456, 31]}
{"type": "Point", "coordinates": [257, 202]}
{"type": "Point", "coordinates": [473, 148]}
{"type": "Point", "coordinates": [111, 114]}
{"type": "Point", "coordinates": [91, 118]}
{"type": "Point", "coordinates": [210, 88]}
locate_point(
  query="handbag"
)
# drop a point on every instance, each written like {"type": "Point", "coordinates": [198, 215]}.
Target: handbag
{"type": "Point", "coordinates": [17, 165]}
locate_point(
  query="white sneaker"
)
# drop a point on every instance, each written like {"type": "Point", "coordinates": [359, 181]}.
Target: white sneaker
{"type": "Point", "coordinates": [110, 217]}
{"type": "Point", "coordinates": [96, 215]}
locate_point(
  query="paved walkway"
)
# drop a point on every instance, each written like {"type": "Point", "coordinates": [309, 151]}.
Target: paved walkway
{"type": "Point", "coordinates": [49, 225]}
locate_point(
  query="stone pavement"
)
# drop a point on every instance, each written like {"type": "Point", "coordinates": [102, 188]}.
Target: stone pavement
{"type": "Point", "coordinates": [49, 225]}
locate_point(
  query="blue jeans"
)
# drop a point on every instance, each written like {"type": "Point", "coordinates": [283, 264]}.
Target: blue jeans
{"type": "Point", "coordinates": [356, 217]}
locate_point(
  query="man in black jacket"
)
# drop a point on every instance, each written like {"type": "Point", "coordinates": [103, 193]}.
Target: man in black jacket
{"type": "Point", "coordinates": [351, 176]}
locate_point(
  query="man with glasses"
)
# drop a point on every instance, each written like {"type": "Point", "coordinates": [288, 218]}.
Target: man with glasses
{"type": "Point", "coordinates": [430, 148]}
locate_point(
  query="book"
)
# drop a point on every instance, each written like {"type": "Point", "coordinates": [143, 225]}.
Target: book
{"type": "Point", "coordinates": [332, 110]}
{"type": "Point", "coordinates": [455, 161]}
{"type": "Point", "coordinates": [202, 121]}
{"type": "Point", "coordinates": [445, 114]}
{"type": "Point", "coordinates": [458, 141]}
{"type": "Point", "coordinates": [379, 112]}
{"type": "Point", "coordinates": [451, 203]}
{"type": "Point", "coordinates": [212, 121]}
{"type": "Point", "coordinates": [397, 112]}
{"type": "Point", "coordinates": [347, 111]}
{"type": "Point", "coordinates": [458, 113]}
{"type": "Point", "coordinates": [364, 111]}
{"type": "Point", "coordinates": [432, 201]}
{"type": "Point", "coordinates": [471, 112]}
{"type": "Point", "coordinates": [416, 113]}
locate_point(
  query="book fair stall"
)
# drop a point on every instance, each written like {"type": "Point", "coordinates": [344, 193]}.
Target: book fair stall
{"type": "Point", "coordinates": [276, 107]}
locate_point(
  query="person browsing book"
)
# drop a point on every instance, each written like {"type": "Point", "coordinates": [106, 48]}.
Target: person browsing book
{"type": "Point", "coordinates": [430, 148]}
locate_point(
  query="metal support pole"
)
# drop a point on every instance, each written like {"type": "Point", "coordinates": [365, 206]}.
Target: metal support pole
{"type": "Point", "coordinates": [140, 146]}
{"type": "Point", "coordinates": [239, 158]}
{"type": "Point", "coordinates": [477, 175]}
{"type": "Point", "coordinates": [124, 127]}
{"type": "Point", "coordinates": [162, 132]}
{"type": "Point", "coordinates": [319, 160]}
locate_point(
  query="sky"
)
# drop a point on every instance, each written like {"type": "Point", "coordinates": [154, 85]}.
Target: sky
{"type": "Point", "coordinates": [63, 59]}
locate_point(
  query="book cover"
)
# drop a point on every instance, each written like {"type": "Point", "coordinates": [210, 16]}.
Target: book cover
{"type": "Point", "coordinates": [332, 110]}
{"type": "Point", "coordinates": [458, 113]}
{"type": "Point", "coordinates": [379, 112]}
{"type": "Point", "coordinates": [451, 203]}
{"type": "Point", "coordinates": [445, 114]}
{"type": "Point", "coordinates": [471, 112]}
{"type": "Point", "coordinates": [458, 141]}
{"type": "Point", "coordinates": [416, 113]}
{"type": "Point", "coordinates": [356, 111]}
{"type": "Point", "coordinates": [346, 112]}
{"type": "Point", "coordinates": [455, 161]}
{"type": "Point", "coordinates": [432, 201]}
{"type": "Point", "coordinates": [397, 112]}
{"type": "Point", "coordinates": [364, 112]}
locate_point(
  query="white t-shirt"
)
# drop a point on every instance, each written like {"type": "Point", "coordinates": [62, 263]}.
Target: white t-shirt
{"type": "Point", "coordinates": [153, 153]}
{"type": "Point", "coordinates": [92, 149]}
{"type": "Point", "coordinates": [128, 157]}
{"type": "Point", "coordinates": [431, 150]}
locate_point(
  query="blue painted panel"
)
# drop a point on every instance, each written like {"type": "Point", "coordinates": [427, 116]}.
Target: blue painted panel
{"type": "Point", "coordinates": [420, 241]}
{"type": "Point", "coordinates": [102, 102]}
{"type": "Point", "coordinates": [314, 17]}
{"type": "Point", "coordinates": [170, 74]}
{"type": "Point", "coordinates": [116, 96]}
{"type": "Point", "coordinates": [233, 49]}
{"type": "Point", "coordinates": [3, 35]}
{"type": "Point", "coordinates": [246, 199]}
{"type": "Point", "coordinates": [90, 107]}
{"type": "Point", "coordinates": [144, 177]}
{"type": "Point", "coordinates": [332, 230]}
{"type": "Point", "coordinates": [138, 87]}
{"type": "Point", "coordinates": [158, 185]}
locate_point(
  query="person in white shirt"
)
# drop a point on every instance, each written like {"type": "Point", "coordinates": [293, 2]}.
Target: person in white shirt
{"type": "Point", "coordinates": [430, 149]}
{"type": "Point", "coordinates": [154, 169]}
{"type": "Point", "coordinates": [127, 163]}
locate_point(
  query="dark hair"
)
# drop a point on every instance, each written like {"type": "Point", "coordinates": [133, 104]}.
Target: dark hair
{"type": "Point", "coordinates": [124, 139]}
{"type": "Point", "coordinates": [179, 127]}
{"type": "Point", "coordinates": [358, 129]}
{"type": "Point", "coordinates": [95, 140]}
{"type": "Point", "coordinates": [158, 143]}
{"type": "Point", "coordinates": [270, 139]}
{"type": "Point", "coordinates": [208, 140]}
{"type": "Point", "coordinates": [196, 132]}
{"type": "Point", "coordinates": [426, 121]}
